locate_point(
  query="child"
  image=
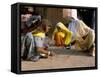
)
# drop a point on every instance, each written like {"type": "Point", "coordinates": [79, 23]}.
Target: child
{"type": "Point", "coordinates": [83, 36]}
{"type": "Point", "coordinates": [35, 41]}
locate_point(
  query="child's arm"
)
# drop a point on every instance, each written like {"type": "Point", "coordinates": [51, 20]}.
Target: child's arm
{"type": "Point", "coordinates": [39, 44]}
{"type": "Point", "coordinates": [43, 51]}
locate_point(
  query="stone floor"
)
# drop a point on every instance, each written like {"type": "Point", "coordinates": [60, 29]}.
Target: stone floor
{"type": "Point", "coordinates": [64, 58]}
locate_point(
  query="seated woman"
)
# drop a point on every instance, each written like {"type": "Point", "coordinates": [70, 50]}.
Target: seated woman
{"type": "Point", "coordinates": [62, 35]}
{"type": "Point", "coordinates": [34, 41]}
{"type": "Point", "coordinates": [83, 36]}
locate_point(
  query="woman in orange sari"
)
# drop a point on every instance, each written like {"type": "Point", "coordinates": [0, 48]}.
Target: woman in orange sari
{"type": "Point", "coordinates": [62, 35]}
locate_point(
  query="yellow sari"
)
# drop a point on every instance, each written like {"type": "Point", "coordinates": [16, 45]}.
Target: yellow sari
{"type": "Point", "coordinates": [62, 35]}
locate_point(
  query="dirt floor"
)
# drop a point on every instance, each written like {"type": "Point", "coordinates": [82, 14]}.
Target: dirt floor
{"type": "Point", "coordinates": [64, 58]}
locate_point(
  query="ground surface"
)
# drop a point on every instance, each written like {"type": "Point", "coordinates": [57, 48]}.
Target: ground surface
{"type": "Point", "coordinates": [64, 58]}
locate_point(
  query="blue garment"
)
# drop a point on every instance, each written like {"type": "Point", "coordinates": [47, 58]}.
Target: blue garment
{"type": "Point", "coordinates": [72, 27]}
{"type": "Point", "coordinates": [31, 42]}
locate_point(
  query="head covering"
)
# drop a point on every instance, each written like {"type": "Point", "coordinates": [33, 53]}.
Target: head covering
{"type": "Point", "coordinates": [61, 26]}
{"type": "Point", "coordinates": [33, 19]}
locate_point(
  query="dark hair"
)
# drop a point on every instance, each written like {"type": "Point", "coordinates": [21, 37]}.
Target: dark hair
{"type": "Point", "coordinates": [42, 25]}
{"type": "Point", "coordinates": [45, 24]}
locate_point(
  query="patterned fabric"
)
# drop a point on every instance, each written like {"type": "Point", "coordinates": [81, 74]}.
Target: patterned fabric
{"type": "Point", "coordinates": [83, 35]}
{"type": "Point", "coordinates": [30, 43]}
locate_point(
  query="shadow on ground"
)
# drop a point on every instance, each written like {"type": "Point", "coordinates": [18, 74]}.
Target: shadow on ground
{"type": "Point", "coordinates": [64, 51]}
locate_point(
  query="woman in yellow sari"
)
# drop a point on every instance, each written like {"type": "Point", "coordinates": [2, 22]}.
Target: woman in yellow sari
{"type": "Point", "coordinates": [62, 35]}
